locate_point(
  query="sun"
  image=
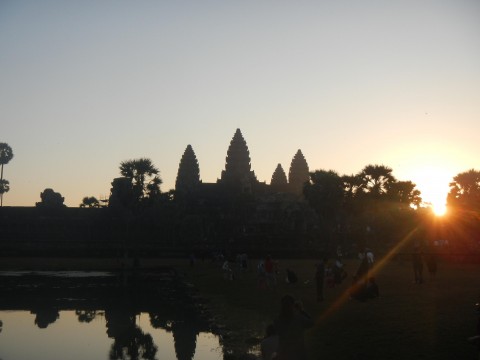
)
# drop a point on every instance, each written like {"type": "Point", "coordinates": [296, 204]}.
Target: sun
{"type": "Point", "coordinates": [433, 183]}
{"type": "Point", "coordinates": [439, 209]}
{"type": "Point", "coordinates": [431, 165]}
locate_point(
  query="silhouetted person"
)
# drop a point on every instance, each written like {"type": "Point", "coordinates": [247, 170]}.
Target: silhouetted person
{"type": "Point", "coordinates": [417, 259]}
{"type": "Point", "coordinates": [261, 275]}
{"type": "Point", "coordinates": [431, 260]}
{"type": "Point", "coordinates": [371, 289]}
{"type": "Point", "coordinates": [292, 278]}
{"type": "Point", "coordinates": [270, 272]}
{"type": "Point", "coordinates": [358, 289]}
{"type": "Point", "coordinates": [320, 278]}
{"type": "Point", "coordinates": [269, 345]}
{"type": "Point", "coordinates": [329, 276]}
{"type": "Point", "coordinates": [227, 270]}
{"type": "Point", "coordinates": [475, 340]}
{"type": "Point", "coordinates": [244, 262]}
{"type": "Point", "coordinates": [290, 325]}
{"type": "Point", "coordinates": [339, 273]}
{"type": "Point", "coordinates": [362, 271]}
{"type": "Point", "coordinates": [370, 257]}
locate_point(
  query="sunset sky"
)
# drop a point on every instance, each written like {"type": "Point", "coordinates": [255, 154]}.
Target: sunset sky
{"type": "Point", "coordinates": [85, 85]}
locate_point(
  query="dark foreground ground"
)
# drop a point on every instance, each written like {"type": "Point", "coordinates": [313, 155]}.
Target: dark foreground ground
{"type": "Point", "coordinates": [408, 321]}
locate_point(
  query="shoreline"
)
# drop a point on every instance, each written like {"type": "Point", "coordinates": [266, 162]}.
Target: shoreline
{"type": "Point", "coordinates": [57, 263]}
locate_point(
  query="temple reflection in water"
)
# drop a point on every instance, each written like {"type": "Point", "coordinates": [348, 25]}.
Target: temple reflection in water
{"type": "Point", "coordinates": [132, 316]}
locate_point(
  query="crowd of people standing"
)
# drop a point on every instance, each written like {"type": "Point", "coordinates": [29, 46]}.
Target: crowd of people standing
{"type": "Point", "coordinates": [284, 336]}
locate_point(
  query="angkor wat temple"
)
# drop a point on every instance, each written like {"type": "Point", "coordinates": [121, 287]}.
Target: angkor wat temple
{"type": "Point", "coordinates": [241, 210]}
{"type": "Point", "coordinates": [238, 176]}
{"type": "Point", "coordinates": [238, 212]}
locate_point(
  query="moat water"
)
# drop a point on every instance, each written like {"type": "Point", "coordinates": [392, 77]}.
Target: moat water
{"type": "Point", "coordinates": [75, 315]}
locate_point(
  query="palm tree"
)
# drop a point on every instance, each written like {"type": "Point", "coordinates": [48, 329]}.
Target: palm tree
{"type": "Point", "coordinates": [6, 154]}
{"type": "Point", "coordinates": [325, 193]}
{"type": "Point", "coordinates": [138, 170]}
{"type": "Point", "coordinates": [404, 192]}
{"type": "Point", "coordinates": [4, 186]}
{"type": "Point", "coordinates": [376, 179]}
{"type": "Point", "coordinates": [90, 201]}
{"type": "Point", "coordinates": [352, 185]}
{"type": "Point", "coordinates": [465, 190]}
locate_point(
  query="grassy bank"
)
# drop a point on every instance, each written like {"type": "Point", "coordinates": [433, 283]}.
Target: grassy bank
{"type": "Point", "coordinates": [407, 321]}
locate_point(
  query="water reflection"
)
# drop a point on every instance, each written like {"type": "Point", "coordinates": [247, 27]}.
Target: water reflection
{"type": "Point", "coordinates": [151, 317]}
{"type": "Point", "coordinates": [45, 316]}
{"type": "Point", "coordinates": [130, 342]}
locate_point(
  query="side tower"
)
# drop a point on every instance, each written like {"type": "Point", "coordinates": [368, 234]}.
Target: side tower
{"type": "Point", "coordinates": [279, 181]}
{"type": "Point", "coordinates": [298, 174]}
{"type": "Point", "coordinates": [237, 175]}
{"type": "Point", "coordinates": [188, 176]}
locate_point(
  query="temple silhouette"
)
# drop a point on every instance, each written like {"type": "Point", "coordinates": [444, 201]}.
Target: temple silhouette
{"type": "Point", "coordinates": [240, 210]}
{"type": "Point", "coordinates": [171, 305]}
{"type": "Point", "coordinates": [238, 177]}
{"type": "Point", "coordinates": [237, 212]}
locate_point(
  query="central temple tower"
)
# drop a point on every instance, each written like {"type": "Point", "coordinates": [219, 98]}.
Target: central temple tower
{"type": "Point", "coordinates": [237, 174]}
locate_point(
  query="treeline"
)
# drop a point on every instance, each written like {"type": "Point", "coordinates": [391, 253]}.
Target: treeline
{"type": "Point", "coordinates": [371, 208]}
{"type": "Point", "coordinates": [348, 212]}
{"type": "Point", "coordinates": [376, 210]}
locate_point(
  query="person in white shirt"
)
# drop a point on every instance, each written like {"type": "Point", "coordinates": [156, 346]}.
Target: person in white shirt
{"type": "Point", "coordinates": [370, 257]}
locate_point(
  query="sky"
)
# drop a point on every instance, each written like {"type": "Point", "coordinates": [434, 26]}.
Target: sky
{"type": "Point", "coordinates": [85, 85]}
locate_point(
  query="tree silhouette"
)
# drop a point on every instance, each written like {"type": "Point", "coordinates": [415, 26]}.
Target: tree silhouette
{"type": "Point", "coordinates": [4, 186]}
{"type": "Point", "coordinates": [376, 179]}
{"type": "Point", "coordinates": [325, 194]}
{"type": "Point", "coordinates": [465, 191]}
{"type": "Point", "coordinates": [130, 342]}
{"type": "Point", "coordinates": [86, 316]}
{"type": "Point", "coordinates": [133, 344]}
{"type": "Point", "coordinates": [90, 202]}
{"type": "Point", "coordinates": [6, 154]}
{"type": "Point", "coordinates": [153, 190]}
{"type": "Point", "coordinates": [45, 316]}
{"type": "Point", "coordinates": [404, 192]}
{"type": "Point", "coordinates": [143, 176]}
{"type": "Point", "coordinates": [352, 185]}
{"type": "Point", "coordinates": [361, 208]}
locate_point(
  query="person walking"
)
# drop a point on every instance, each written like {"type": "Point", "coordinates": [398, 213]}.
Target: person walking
{"type": "Point", "coordinates": [363, 268]}
{"type": "Point", "coordinates": [431, 260]}
{"type": "Point", "coordinates": [370, 258]}
{"type": "Point", "coordinates": [270, 272]}
{"type": "Point", "coordinates": [320, 278]}
{"type": "Point", "coordinates": [417, 259]}
{"type": "Point", "coordinates": [261, 275]}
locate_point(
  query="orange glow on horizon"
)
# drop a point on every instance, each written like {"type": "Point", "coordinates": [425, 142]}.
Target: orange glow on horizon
{"type": "Point", "coordinates": [433, 182]}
